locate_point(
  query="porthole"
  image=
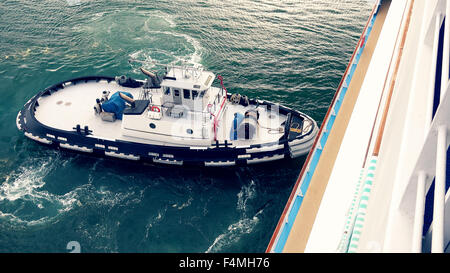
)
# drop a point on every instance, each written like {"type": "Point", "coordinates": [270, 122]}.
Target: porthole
{"type": "Point", "coordinates": [189, 131]}
{"type": "Point", "coordinates": [152, 125]}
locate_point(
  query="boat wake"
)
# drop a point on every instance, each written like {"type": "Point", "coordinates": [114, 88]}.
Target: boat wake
{"type": "Point", "coordinates": [23, 199]}
{"type": "Point", "coordinates": [165, 44]}
{"type": "Point", "coordinates": [244, 225]}
{"type": "Point", "coordinates": [26, 196]}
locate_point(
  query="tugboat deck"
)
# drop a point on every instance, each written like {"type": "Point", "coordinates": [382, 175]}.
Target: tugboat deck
{"type": "Point", "coordinates": [73, 105]}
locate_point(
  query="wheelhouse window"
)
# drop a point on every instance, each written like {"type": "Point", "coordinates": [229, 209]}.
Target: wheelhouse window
{"type": "Point", "coordinates": [194, 94]}
{"type": "Point", "coordinates": [167, 91]}
{"type": "Point", "coordinates": [186, 93]}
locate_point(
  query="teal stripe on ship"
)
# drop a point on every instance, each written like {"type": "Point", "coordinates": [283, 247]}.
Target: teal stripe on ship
{"type": "Point", "coordinates": [362, 208]}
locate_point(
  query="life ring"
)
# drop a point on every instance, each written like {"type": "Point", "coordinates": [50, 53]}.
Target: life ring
{"type": "Point", "coordinates": [155, 109]}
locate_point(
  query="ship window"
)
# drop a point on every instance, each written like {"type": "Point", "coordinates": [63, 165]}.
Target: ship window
{"type": "Point", "coordinates": [167, 91]}
{"type": "Point", "coordinates": [152, 125]}
{"type": "Point", "coordinates": [202, 94]}
{"type": "Point", "coordinates": [189, 131]}
{"type": "Point", "coordinates": [186, 93]}
{"type": "Point", "coordinates": [194, 94]}
{"type": "Point", "coordinates": [176, 92]}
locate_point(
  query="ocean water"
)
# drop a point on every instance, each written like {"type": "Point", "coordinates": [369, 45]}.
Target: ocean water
{"type": "Point", "coordinates": [290, 51]}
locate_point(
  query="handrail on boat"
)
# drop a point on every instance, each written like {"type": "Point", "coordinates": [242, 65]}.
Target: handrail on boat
{"type": "Point", "coordinates": [216, 116]}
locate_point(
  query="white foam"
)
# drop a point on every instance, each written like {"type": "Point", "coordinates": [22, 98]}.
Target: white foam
{"type": "Point", "coordinates": [234, 233]}
{"type": "Point", "coordinates": [105, 197]}
{"type": "Point", "coordinates": [183, 205]}
{"type": "Point", "coordinates": [56, 69]}
{"type": "Point", "coordinates": [245, 225]}
{"type": "Point", "coordinates": [193, 58]}
{"type": "Point", "coordinates": [154, 220]}
{"type": "Point", "coordinates": [25, 184]}
{"type": "Point", "coordinates": [246, 193]}
{"type": "Point", "coordinates": [73, 2]}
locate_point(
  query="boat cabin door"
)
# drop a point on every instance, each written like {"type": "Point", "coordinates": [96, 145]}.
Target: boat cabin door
{"type": "Point", "coordinates": [176, 96]}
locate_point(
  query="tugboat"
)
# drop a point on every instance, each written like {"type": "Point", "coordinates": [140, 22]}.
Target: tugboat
{"type": "Point", "coordinates": [178, 118]}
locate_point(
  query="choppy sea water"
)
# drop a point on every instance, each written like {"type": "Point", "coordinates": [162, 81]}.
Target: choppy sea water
{"type": "Point", "coordinates": [291, 52]}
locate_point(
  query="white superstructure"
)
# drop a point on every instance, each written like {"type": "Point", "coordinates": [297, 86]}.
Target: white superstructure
{"type": "Point", "coordinates": [373, 189]}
